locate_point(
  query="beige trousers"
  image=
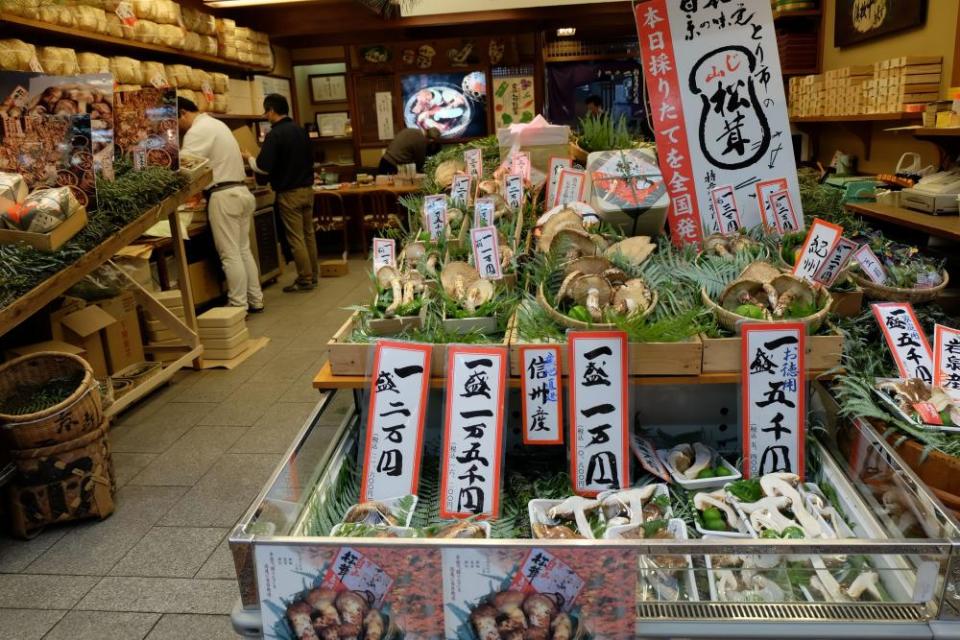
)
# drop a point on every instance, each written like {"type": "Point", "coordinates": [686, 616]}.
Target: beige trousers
{"type": "Point", "coordinates": [296, 212]}
{"type": "Point", "coordinates": [230, 214]}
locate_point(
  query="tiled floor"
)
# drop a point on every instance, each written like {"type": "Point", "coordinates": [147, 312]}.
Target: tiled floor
{"type": "Point", "coordinates": [189, 460]}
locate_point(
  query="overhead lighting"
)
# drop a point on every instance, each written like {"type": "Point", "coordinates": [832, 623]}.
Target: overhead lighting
{"type": "Point", "coordinates": [232, 4]}
{"type": "Point", "coordinates": [566, 32]}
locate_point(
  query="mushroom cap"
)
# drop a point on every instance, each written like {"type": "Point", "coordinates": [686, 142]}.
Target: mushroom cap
{"type": "Point", "coordinates": [489, 187]}
{"type": "Point", "coordinates": [599, 240]}
{"type": "Point", "coordinates": [615, 276]}
{"type": "Point", "coordinates": [588, 264]}
{"type": "Point", "coordinates": [445, 171]}
{"type": "Point", "coordinates": [385, 275]}
{"type": "Point", "coordinates": [575, 239]}
{"type": "Point", "coordinates": [802, 291]}
{"type": "Point", "coordinates": [759, 271]}
{"type": "Point", "coordinates": [714, 240]}
{"type": "Point", "coordinates": [581, 287]}
{"type": "Point", "coordinates": [414, 251]}
{"type": "Point", "coordinates": [481, 290]}
{"type": "Point", "coordinates": [413, 276]}
{"type": "Point", "coordinates": [635, 290]}
{"type": "Point", "coordinates": [452, 270]}
{"type": "Point", "coordinates": [564, 289]}
{"type": "Point", "coordinates": [635, 249]}
{"type": "Point", "coordinates": [730, 298]}
{"type": "Point", "coordinates": [454, 216]}
{"type": "Point", "coordinates": [563, 219]}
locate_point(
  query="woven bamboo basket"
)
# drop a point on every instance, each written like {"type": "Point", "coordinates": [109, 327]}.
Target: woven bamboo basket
{"type": "Point", "coordinates": [566, 321]}
{"type": "Point", "coordinates": [876, 291]}
{"type": "Point", "coordinates": [730, 320]}
{"type": "Point", "coordinates": [79, 413]}
{"type": "Point", "coordinates": [69, 481]}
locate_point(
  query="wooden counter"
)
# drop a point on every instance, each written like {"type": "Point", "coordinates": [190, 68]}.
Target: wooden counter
{"type": "Point", "coordinates": [947, 227]}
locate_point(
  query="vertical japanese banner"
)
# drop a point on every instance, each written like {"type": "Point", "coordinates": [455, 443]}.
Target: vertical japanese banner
{"type": "Point", "coordinates": [395, 417]}
{"type": "Point", "coordinates": [473, 158]}
{"type": "Point", "coordinates": [773, 394]}
{"type": "Point", "coordinates": [435, 215]}
{"type": "Point", "coordinates": [726, 213]}
{"type": "Point", "coordinates": [384, 253]}
{"type": "Point", "coordinates": [784, 213]}
{"type": "Point", "coordinates": [460, 190]}
{"type": "Point", "coordinates": [719, 111]}
{"type": "Point", "coordinates": [599, 411]}
{"type": "Point", "coordinates": [556, 164]}
{"type": "Point", "coordinates": [486, 252]}
{"type": "Point", "coordinates": [946, 360]}
{"type": "Point", "coordinates": [473, 432]}
{"type": "Point", "coordinates": [820, 241]}
{"type": "Point", "coordinates": [906, 339]}
{"type": "Point", "coordinates": [836, 262]}
{"type": "Point", "coordinates": [542, 396]}
{"type": "Point", "coordinates": [571, 184]}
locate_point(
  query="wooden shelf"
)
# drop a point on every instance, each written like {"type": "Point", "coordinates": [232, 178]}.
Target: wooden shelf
{"type": "Point", "coordinates": [803, 13]}
{"type": "Point", "coordinates": [941, 226]}
{"type": "Point", "coordinates": [933, 132]}
{"type": "Point", "coordinates": [55, 286]}
{"type": "Point", "coordinates": [236, 116]}
{"type": "Point", "coordinates": [862, 117]}
{"type": "Point", "coordinates": [60, 35]}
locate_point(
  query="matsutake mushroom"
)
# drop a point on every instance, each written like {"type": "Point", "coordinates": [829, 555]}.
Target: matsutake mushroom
{"type": "Point", "coordinates": [589, 290]}
{"type": "Point", "coordinates": [389, 278]}
{"type": "Point", "coordinates": [633, 297]}
{"type": "Point", "coordinates": [762, 292]}
{"type": "Point", "coordinates": [728, 245]}
{"type": "Point", "coordinates": [462, 282]}
{"type": "Point", "coordinates": [564, 219]}
{"type": "Point", "coordinates": [446, 170]}
{"type": "Point", "coordinates": [634, 250]}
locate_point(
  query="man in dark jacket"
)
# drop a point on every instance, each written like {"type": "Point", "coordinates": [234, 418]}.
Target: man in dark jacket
{"type": "Point", "coordinates": [409, 146]}
{"type": "Point", "coordinates": [287, 159]}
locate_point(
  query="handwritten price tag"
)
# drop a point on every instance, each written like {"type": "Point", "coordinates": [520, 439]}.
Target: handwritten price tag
{"type": "Point", "coordinates": [520, 164]}
{"type": "Point", "coordinates": [460, 190]}
{"type": "Point", "coordinates": [821, 239]}
{"type": "Point", "coordinates": [726, 214]}
{"type": "Point", "coordinates": [570, 186]}
{"type": "Point", "coordinates": [513, 191]}
{"type": "Point", "coordinates": [486, 252]}
{"type": "Point", "coordinates": [784, 215]}
{"type": "Point", "coordinates": [764, 190]}
{"type": "Point", "coordinates": [834, 264]}
{"type": "Point", "coordinates": [946, 360]}
{"type": "Point", "coordinates": [483, 212]}
{"type": "Point", "coordinates": [384, 253]}
{"type": "Point", "coordinates": [435, 215]}
{"type": "Point", "coordinates": [542, 400]}
{"type": "Point", "coordinates": [870, 264]}
{"type": "Point", "coordinates": [556, 164]}
{"type": "Point", "coordinates": [906, 339]}
{"type": "Point", "coordinates": [473, 158]}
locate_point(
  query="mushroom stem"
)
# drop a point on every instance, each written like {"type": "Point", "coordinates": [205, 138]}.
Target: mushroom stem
{"type": "Point", "coordinates": [397, 289]}
{"type": "Point", "coordinates": [593, 305]}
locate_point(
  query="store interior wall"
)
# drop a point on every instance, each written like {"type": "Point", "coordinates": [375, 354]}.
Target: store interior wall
{"type": "Point", "coordinates": [937, 37]}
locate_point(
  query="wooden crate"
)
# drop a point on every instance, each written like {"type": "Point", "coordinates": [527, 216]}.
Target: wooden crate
{"type": "Point", "coordinates": [48, 241]}
{"type": "Point", "coordinates": [353, 359]}
{"type": "Point", "coordinates": [646, 358]}
{"type": "Point", "coordinates": [722, 355]}
{"type": "Point", "coordinates": [847, 304]}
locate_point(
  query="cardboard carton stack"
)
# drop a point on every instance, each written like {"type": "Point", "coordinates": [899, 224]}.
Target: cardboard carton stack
{"type": "Point", "coordinates": [223, 332]}
{"type": "Point", "coordinates": [843, 90]}
{"type": "Point", "coordinates": [157, 332]}
{"type": "Point", "coordinates": [907, 83]}
{"type": "Point", "coordinates": [807, 96]}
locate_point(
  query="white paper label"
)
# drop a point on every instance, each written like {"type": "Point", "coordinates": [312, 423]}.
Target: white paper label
{"type": "Point", "coordinates": [599, 411]}
{"type": "Point", "coordinates": [773, 388]}
{"type": "Point", "coordinates": [906, 339]}
{"type": "Point", "coordinates": [718, 106]}
{"type": "Point", "coordinates": [483, 212]}
{"type": "Point", "coordinates": [820, 241]}
{"type": "Point", "coordinates": [520, 164]}
{"type": "Point", "coordinates": [473, 432]}
{"type": "Point", "coordinates": [726, 214]}
{"type": "Point", "coordinates": [784, 214]}
{"type": "Point", "coordinates": [473, 158]}
{"type": "Point", "coordinates": [435, 215]}
{"type": "Point", "coordinates": [764, 190]}
{"type": "Point", "coordinates": [513, 191]}
{"type": "Point", "coordinates": [159, 81]}
{"type": "Point", "coordinates": [486, 252]}
{"type": "Point", "coordinates": [207, 91]}
{"type": "Point", "coordinates": [126, 13]}
{"type": "Point", "coordinates": [460, 189]}
{"type": "Point", "coordinates": [395, 417]}
{"type": "Point", "coordinates": [870, 264]}
{"type": "Point", "coordinates": [541, 572]}
{"type": "Point", "coordinates": [384, 105]}
{"type": "Point", "coordinates": [835, 263]}
{"type": "Point", "coordinates": [542, 402]}
{"type": "Point", "coordinates": [352, 571]}
{"type": "Point", "coordinates": [556, 164]}
{"type": "Point", "coordinates": [35, 65]}
{"type": "Point", "coordinates": [384, 253]}
{"type": "Point", "coordinates": [946, 360]}
{"type": "Point", "coordinates": [570, 186]}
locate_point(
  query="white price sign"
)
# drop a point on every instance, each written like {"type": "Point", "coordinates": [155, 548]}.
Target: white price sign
{"type": "Point", "coordinates": [835, 263]}
{"type": "Point", "coordinates": [513, 191]}
{"type": "Point", "coordinates": [384, 253]}
{"type": "Point", "coordinates": [764, 189]}
{"type": "Point", "coordinates": [726, 214]}
{"type": "Point", "coordinates": [906, 339]}
{"type": "Point", "coordinates": [520, 164]}
{"type": "Point", "coordinates": [870, 264]}
{"type": "Point", "coordinates": [542, 401]}
{"type": "Point", "coordinates": [435, 215]}
{"type": "Point", "coordinates": [473, 158]}
{"type": "Point", "coordinates": [486, 252]}
{"type": "Point", "coordinates": [773, 394]}
{"type": "Point", "coordinates": [946, 360]}
{"type": "Point", "coordinates": [460, 189]}
{"type": "Point", "coordinates": [556, 164]}
{"type": "Point", "coordinates": [599, 411]}
{"type": "Point", "coordinates": [719, 110]}
{"type": "Point", "coordinates": [570, 186]}
{"type": "Point", "coordinates": [784, 214]}
{"type": "Point", "coordinates": [483, 211]}
{"type": "Point", "coordinates": [821, 238]}
{"type": "Point", "coordinates": [395, 417]}
{"type": "Point", "coordinates": [473, 432]}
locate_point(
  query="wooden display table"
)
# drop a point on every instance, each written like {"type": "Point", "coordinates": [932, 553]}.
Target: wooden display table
{"type": "Point", "coordinates": [357, 190]}
{"type": "Point", "coordinates": [947, 227]}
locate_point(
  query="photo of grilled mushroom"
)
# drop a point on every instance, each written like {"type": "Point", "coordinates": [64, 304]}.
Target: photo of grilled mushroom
{"type": "Point", "coordinates": [326, 614]}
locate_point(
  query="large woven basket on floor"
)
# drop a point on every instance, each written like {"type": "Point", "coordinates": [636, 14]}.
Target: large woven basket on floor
{"type": "Point", "coordinates": [566, 321]}
{"type": "Point", "coordinates": [730, 320]}
{"type": "Point", "coordinates": [876, 291]}
{"type": "Point", "coordinates": [76, 415]}
{"type": "Point", "coordinates": [70, 481]}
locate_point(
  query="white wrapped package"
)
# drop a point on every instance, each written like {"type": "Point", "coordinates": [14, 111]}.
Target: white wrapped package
{"type": "Point", "coordinates": [126, 70]}
{"type": "Point", "coordinates": [179, 75]}
{"type": "Point", "coordinates": [146, 31]}
{"type": "Point", "coordinates": [57, 61]}
{"type": "Point", "coordinates": [25, 8]}
{"type": "Point", "coordinates": [189, 94]}
{"type": "Point", "coordinates": [117, 29]}
{"type": "Point", "coordinates": [128, 87]}
{"type": "Point", "coordinates": [89, 18]}
{"type": "Point", "coordinates": [57, 14]}
{"type": "Point", "coordinates": [200, 99]}
{"type": "Point", "coordinates": [538, 137]}
{"type": "Point", "coordinates": [619, 195]}
{"type": "Point", "coordinates": [42, 211]}
{"type": "Point", "coordinates": [198, 21]}
{"type": "Point", "coordinates": [93, 63]}
{"type": "Point", "coordinates": [192, 42]}
{"type": "Point", "coordinates": [200, 79]}
{"type": "Point", "coordinates": [15, 55]}
{"type": "Point", "coordinates": [220, 102]}
{"type": "Point", "coordinates": [13, 189]}
{"type": "Point", "coordinates": [219, 82]}
{"type": "Point", "coordinates": [170, 35]}
{"type": "Point", "coordinates": [209, 45]}
{"type": "Point", "coordinates": [153, 74]}
{"type": "Point", "coordinates": [99, 4]}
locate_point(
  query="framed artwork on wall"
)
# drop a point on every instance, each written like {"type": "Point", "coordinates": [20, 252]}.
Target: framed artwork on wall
{"type": "Point", "coordinates": [333, 125]}
{"type": "Point", "coordinates": [861, 20]}
{"type": "Point", "coordinates": [328, 88]}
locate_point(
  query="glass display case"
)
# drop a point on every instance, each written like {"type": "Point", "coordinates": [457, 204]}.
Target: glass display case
{"type": "Point", "coordinates": [882, 565]}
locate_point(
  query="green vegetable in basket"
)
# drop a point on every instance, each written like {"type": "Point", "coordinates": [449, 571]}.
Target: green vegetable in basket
{"type": "Point", "coordinates": [801, 310]}
{"type": "Point", "coordinates": [706, 473]}
{"type": "Point", "coordinates": [579, 312]}
{"type": "Point", "coordinates": [749, 311]}
{"type": "Point", "coordinates": [769, 534]}
{"type": "Point", "coordinates": [745, 490]}
{"type": "Point", "coordinates": [792, 533]}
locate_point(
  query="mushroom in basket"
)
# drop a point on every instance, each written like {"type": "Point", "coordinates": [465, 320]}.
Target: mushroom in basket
{"type": "Point", "coordinates": [516, 615]}
{"type": "Point", "coordinates": [728, 245]}
{"type": "Point", "coordinates": [404, 289]}
{"type": "Point", "coordinates": [462, 282]}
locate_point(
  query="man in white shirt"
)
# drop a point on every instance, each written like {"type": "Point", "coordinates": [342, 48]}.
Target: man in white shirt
{"type": "Point", "coordinates": [230, 204]}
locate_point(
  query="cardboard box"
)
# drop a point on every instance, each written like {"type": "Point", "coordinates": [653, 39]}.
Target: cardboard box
{"type": "Point", "coordinates": [48, 241]}
{"type": "Point", "coordinates": [48, 345]}
{"type": "Point", "coordinates": [123, 339]}
{"type": "Point", "coordinates": [85, 329]}
{"type": "Point", "coordinates": [221, 317]}
{"type": "Point", "coordinates": [333, 268]}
